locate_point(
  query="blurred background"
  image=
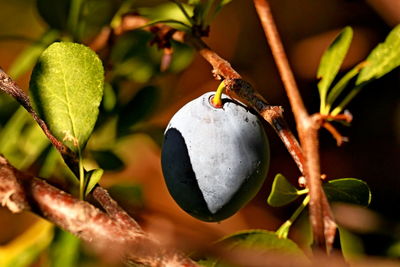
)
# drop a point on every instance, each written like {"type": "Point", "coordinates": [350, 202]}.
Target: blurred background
{"type": "Point", "coordinates": [307, 27]}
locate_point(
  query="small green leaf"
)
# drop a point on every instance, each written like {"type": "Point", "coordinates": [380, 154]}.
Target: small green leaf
{"type": "Point", "coordinates": [282, 192]}
{"type": "Point", "coordinates": [167, 11]}
{"type": "Point", "coordinates": [107, 160]}
{"type": "Point", "coordinates": [109, 98]}
{"type": "Point", "coordinates": [340, 86]}
{"type": "Point", "coordinates": [349, 190]}
{"type": "Point", "coordinates": [92, 177]}
{"type": "Point", "coordinates": [383, 59]}
{"type": "Point", "coordinates": [95, 14]}
{"type": "Point", "coordinates": [67, 87]}
{"type": "Point", "coordinates": [331, 61]}
{"type": "Point", "coordinates": [261, 240]}
{"type": "Point", "coordinates": [140, 106]}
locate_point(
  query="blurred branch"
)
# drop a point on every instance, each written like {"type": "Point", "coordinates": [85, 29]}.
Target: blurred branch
{"type": "Point", "coordinates": [321, 218]}
{"type": "Point", "coordinates": [111, 234]}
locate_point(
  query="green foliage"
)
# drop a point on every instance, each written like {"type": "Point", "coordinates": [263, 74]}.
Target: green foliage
{"type": "Point", "coordinates": [351, 245]}
{"type": "Point", "coordinates": [205, 11]}
{"type": "Point", "coordinates": [67, 87]}
{"type": "Point", "coordinates": [93, 16]}
{"type": "Point", "coordinates": [349, 190]}
{"type": "Point", "coordinates": [331, 61]}
{"type": "Point", "coordinates": [383, 59]}
{"type": "Point", "coordinates": [261, 241]}
{"type": "Point", "coordinates": [282, 192]}
{"type": "Point", "coordinates": [178, 13]}
{"type": "Point", "coordinates": [64, 250]}
{"type": "Point", "coordinates": [80, 19]}
{"type": "Point", "coordinates": [134, 59]}
{"type": "Point", "coordinates": [92, 177]}
{"type": "Point", "coordinates": [340, 86]}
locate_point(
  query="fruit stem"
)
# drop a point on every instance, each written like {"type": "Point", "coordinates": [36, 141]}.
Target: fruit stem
{"type": "Point", "coordinates": [216, 101]}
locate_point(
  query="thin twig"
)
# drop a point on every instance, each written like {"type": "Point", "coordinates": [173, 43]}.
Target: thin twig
{"type": "Point", "coordinates": [321, 217]}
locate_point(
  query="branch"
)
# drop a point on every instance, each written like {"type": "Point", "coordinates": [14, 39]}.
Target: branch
{"type": "Point", "coordinates": [323, 225]}
{"type": "Point", "coordinates": [107, 235]}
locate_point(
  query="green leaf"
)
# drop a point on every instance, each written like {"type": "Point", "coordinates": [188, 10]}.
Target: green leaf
{"type": "Point", "coordinates": [340, 86]}
{"type": "Point", "coordinates": [167, 11]}
{"type": "Point", "coordinates": [109, 98]}
{"type": "Point", "coordinates": [349, 190]}
{"type": "Point", "coordinates": [92, 177]}
{"type": "Point", "coordinates": [54, 13]}
{"type": "Point", "coordinates": [29, 56]}
{"type": "Point", "coordinates": [64, 251]}
{"type": "Point", "coordinates": [261, 240]}
{"type": "Point", "coordinates": [107, 160]}
{"type": "Point", "coordinates": [331, 61]}
{"type": "Point", "coordinates": [95, 14]}
{"type": "Point", "coordinates": [138, 108]}
{"type": "Point", "coordinates": [134, 59]}
{"type": "Point", "coordinates": [67, 86]}
{"type": "Point", "coordinates": [383, 59]}
{"type": "Point", "coordinates": [282, 192]}
{"type": "Point", "coordinates": [351, 245]}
